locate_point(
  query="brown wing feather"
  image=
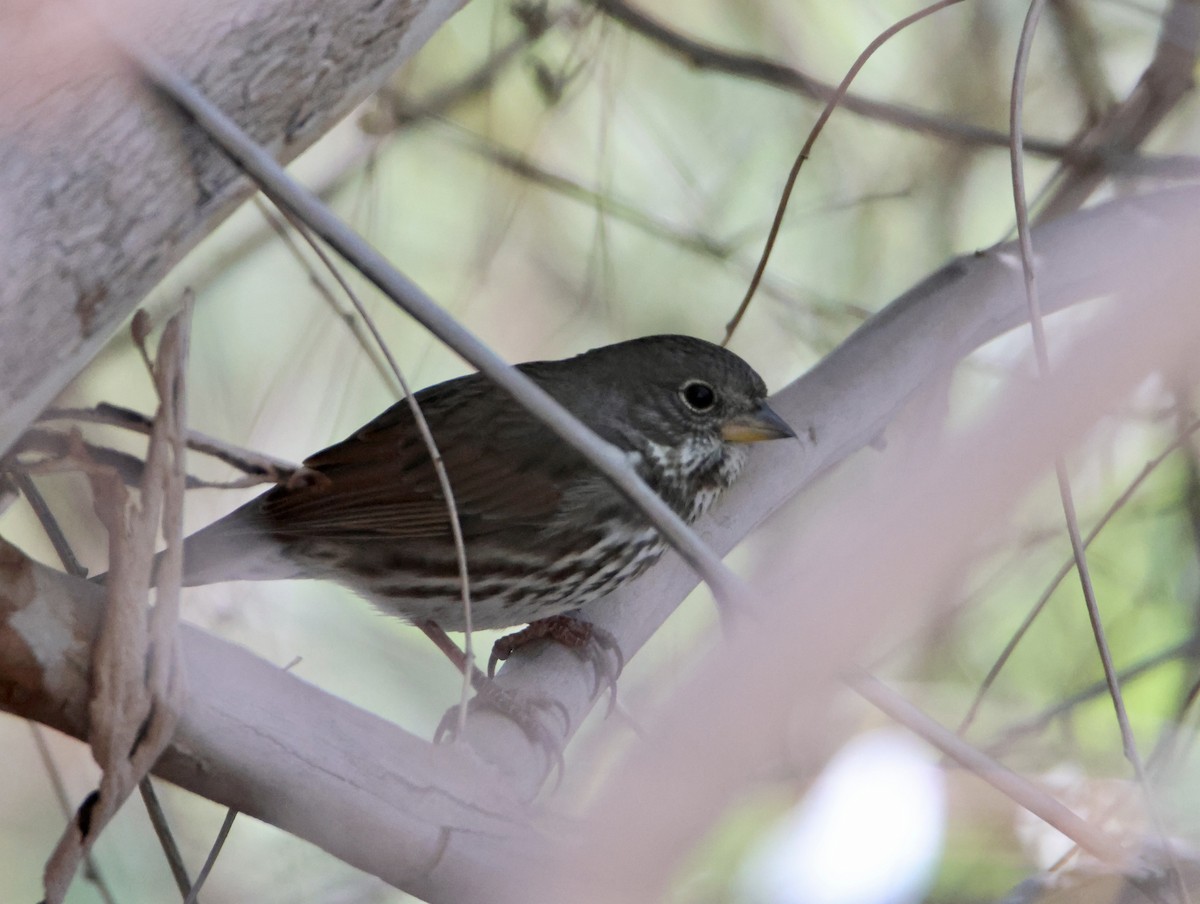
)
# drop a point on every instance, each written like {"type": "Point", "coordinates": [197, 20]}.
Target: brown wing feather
{"type": "Point", "coordinates": [381, 482]}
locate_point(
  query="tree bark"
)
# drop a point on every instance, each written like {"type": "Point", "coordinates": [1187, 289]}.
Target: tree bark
{"type": "Point", "coordinates": [104, 186]}
{"type": "Point", "coordinates": [254, 737]}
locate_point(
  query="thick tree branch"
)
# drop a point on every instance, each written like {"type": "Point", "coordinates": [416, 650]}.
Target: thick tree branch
{"type": "Point", "coordinates": [257, 738]}
{"type": "Point", "coordinates": [103, 188]}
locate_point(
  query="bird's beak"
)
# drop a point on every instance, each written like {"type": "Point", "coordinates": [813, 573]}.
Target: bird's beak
{"type": "Point", "coordinates": [760, 424]}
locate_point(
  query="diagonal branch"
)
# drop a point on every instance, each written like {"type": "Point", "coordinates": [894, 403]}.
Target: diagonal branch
{"type": "Point", "coordinates": [1163, 86]}
{"type": "Point", "coordinates": [98, 200]}
{"type": "Point", "coordinates": [716, 59]}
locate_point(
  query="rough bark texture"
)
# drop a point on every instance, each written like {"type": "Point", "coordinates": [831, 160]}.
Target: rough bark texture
{"type": "Point", "coordinates": [103, 186]}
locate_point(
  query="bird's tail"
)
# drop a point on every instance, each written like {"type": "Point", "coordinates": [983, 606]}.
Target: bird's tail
{"type": "Point", "coordinates": [235, 548]}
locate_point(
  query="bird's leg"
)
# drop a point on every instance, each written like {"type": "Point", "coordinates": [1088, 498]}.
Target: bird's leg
{"type": "Point", "coordinates": [589, 640]}
{"type": "Point", "coordinates": [442, 641]}
{"type": "Point", "coordinates": [526, 713]}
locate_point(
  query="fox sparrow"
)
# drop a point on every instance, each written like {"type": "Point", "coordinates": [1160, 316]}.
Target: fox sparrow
{"type": "Point", "coordinates": [544, 532]}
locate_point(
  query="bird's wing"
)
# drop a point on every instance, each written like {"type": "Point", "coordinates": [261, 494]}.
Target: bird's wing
{"type": "Point", "coordinates": [504, 470]}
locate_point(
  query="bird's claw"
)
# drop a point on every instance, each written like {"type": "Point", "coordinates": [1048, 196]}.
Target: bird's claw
{"type": "Point", "coordinates": [525, 712]}
{"type": "Point", "coordinates": [590, 641]}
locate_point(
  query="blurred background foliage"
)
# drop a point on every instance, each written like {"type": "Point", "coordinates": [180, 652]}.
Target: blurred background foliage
{"type": "Point", "coordinates": [559, 182]}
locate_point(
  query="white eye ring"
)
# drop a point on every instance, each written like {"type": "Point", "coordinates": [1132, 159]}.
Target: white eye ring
{"type": "Point", "coordinates": [698, 395]}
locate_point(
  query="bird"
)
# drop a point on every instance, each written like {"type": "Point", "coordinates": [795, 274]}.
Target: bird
{"type": "Point", "coordinates": [544, 532]}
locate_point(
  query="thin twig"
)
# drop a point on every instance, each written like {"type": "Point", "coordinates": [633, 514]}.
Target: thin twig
{"type": "Point", "coordinates": [1036, 800]}
{"type": "Point", "coordinates": [59, 448]}
{"type": "Point", "coordinates": [625, 211]}
{"type": "Point", "coordinates": [1008, 736]}
{"type": "Point", "coordinates": [49, 523]}
{"type": "Point", "coordinates": [450, 650]}
{"type": "Point", "coordinates": [1066, 495]}
{"type": "Point", "coordinates": [253, 463]}
{"type": "Point", "coordinates": [1167, 80]}
{"type": "Point", "coordinates": [435, 456]}
{"type": "Point", "coordinates": [1119, 503]}
{"type": "Point", "coordinates": [350, 318]}
{"type": "Point", "coordinates": [1043, 362]}
{"type": "Point", "coordinates": [1081, 48]}
{"type": "Point", "coordinates": [166, 839]}
{"type": "Point", "coordinates": [91, 869]}
{"type": "Point", "coordinates": [394, 111]}
{"type": "Point", "coordinates": [1168, 741]}
{"type": "Point", "coordinates": [137, 684]}
{"type": "Point", "coordinates": [211, 860]}
{"type": "Point", "coordinates": [778, 75]}
{"type": "Point", "coordinates": [402, 111]}
{"type": "Point", "coordinates": [835, 99]}
{"type": "Point", "coordinates": [1167, 745]}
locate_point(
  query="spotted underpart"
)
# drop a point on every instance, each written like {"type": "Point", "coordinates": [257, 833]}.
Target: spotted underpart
{"type": "Point", "coordinates": [514, 586]}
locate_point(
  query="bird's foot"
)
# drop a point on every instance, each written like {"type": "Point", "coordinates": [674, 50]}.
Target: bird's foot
{"type": "Point", "coordinates": [530, 714]}
{"type": "Point", "coordinates": [593, 643]}
{"type": "Point", "coordinates": [527, 713]}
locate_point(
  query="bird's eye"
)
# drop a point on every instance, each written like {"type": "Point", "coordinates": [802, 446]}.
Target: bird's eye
{"type": "Point", "coordinates": [698, 395]}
